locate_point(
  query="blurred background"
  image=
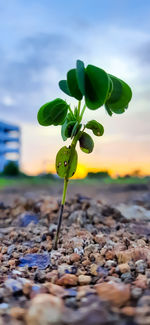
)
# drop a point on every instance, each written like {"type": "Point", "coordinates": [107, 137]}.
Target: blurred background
{"type": "Point", "coordinates": [40, 41]}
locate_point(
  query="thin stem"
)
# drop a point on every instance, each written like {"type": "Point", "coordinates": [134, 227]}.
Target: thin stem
{"type": "Point", "coordinates": [61, 212]}
{"type": "Point", "coordinates": [82, 112]}
{"type": "Point", "coordinates": [79, 106]}
{"type": "Point", "coordinates": [64, 190]}
{"type": "Point", "coordinates": [71, 110]}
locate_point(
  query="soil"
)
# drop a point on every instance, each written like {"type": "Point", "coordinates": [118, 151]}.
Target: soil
{"type": "Point", "coordinates": [100, 273]}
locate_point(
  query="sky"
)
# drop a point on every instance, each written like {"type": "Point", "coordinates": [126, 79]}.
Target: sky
{"type": "Point", "coordinates": [40, 40]}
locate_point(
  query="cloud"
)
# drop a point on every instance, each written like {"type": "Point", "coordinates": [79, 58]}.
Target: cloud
{"type": "Point", "coordinates": [31, 77]}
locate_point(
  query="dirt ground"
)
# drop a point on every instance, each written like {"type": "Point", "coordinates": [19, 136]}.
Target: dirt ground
{"type": "Point", "coordinates": [109, 194]}
{"type": "Point", "coordinates": [100, 274]}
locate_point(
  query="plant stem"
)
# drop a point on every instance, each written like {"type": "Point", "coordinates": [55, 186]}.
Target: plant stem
{"type": "Point", "coordinates": [61, 211]}
{"type": "Point", "coordinates": [79, 105]}
{"type": "Point", "coordinates": [66, 180]}
{"type": "Point", "coordinates": [70, 110]}
{"type": "Point", "coordinates": [82, 112]}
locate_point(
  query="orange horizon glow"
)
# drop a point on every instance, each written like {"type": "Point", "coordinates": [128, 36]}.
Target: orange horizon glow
{"type": "Point", "coordinates": [82, 170]}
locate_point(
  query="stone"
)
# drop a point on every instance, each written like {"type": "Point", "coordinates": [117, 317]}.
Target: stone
{"type": "Point", "coordinates": [140, 266]}
{"type": "Point", "coordinates": [117, 294]}
{"type": "Point", "coordinates": [99, 259]}
{"type": "Point", "coordinates": [94, 269]}
{"type": "Point", "coordinates": [27, 287]}
{"type": "Point", "coordinates": [52, 228]}
{"type": "Point", "coordinates": [52, 276]}
{"type": "Point", "coordinates": [124, 268]}
{"type": "Point", "coordinates": [85, 291]}
{"type": "Point", "coordinates": [134, 212]}
{"type": "Point", "coordinates": [42, 261]}
{"type": "Point", "coordinates": [67, 280]}
{"type": "Point", "coordinates": [141, 281]}
{"type": "Point", "coordinates": [45, 309]}
{"type": "Point", "coordinates": [136, 292]}
{"type": "Point", "coordinates": [55, 289]}
{"type": "Point", "coordinates": [64, 268]}
{"type": "Point", "coordinates": [11, 249]}
{"type": "Point", "coordinates": [134, 254]}
{"type": "Point", "coordinates": [74, 257]}
{"type": "Point", "coordinates": [4, 306]}
{"type": "Point", "coordinates": [126, 277]}
{"type": "Point", "coordinates": [17, 313]}
{"type": "Point", "coordinates": [128, 311]}
{"type": "Point", "coordinates": [90, 249]}
{"type": "Point", "coordinates": [84, 279]}
{"type": "Point", "coordinates": [78, 217]}
{"type": "Point", "coordinates": [25, 219]}
{"type": "Point", "coordinates": [142, 316]}
{"type": "Point", "coordinates": [95, 211]}
{"type": "Point", "coordinates": [100, 239]}
{"type": "Point", "coordinates": [48, 205]}
{"type": "Point", "coordinates": [92, 311]}
{"type": "Point", "coordinates": [39, 276]}
{"type": "Point", "coordinates": [14, 286]}
{"type": "Point", "coordinates": [110, 263]}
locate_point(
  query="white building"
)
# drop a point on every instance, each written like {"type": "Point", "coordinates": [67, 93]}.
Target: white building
{"type": "Point", "coordinates": [9, 144]}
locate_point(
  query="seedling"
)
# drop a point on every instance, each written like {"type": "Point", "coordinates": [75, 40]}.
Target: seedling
{"type": "Point", "coordinates": [97, 88]}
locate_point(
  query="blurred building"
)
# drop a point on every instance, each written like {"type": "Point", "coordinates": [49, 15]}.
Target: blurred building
{"type": "Point", "coordinates": [9, 144]}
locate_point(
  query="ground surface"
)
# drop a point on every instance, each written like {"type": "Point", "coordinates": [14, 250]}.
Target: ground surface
{"type": "Point", "coordinates": [100, 273]}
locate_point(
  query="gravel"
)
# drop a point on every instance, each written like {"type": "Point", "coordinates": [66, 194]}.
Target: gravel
{"type": "Point", "coordinates": [99, 275]}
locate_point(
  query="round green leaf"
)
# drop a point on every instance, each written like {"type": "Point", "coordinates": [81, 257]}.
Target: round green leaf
{"type": "Point", "coordinates": [53, 113]}
{"type": "Point", "coordinates": [86, 143]}
{"type": "Point", "coordinates": [73, 84]}
{"type": "Point", "coordinates": [97, 86]}
{"type": "Point", "coordinates": [66, 162]}
{"type": "Point", "coordinates": [96, 127]}
{"type": "Point", "coordinates": [80, 73]}
{"type": "Point", "coordinates": [64, 87]}
{"type": "Point", "coordinates": [120, 96]}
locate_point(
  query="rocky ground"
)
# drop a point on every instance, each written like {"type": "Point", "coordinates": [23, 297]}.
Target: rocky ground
{"type": "Point", "coordinates": [100, 274]}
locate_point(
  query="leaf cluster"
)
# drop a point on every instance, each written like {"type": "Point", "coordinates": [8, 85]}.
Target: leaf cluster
{"type": "Point", "coordinates": [97, 88]}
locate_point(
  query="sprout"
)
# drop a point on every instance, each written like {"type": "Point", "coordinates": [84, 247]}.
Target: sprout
{"type": "Point", "coordinates": [97, 88]}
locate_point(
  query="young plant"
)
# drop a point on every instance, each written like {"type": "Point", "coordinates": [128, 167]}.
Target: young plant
{"type": "Point", "coordinates": [98, 88]}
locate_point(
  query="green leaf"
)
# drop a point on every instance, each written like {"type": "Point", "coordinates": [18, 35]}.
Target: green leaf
{"type": "Point", "coordinates": [86, 143]}
{"type": "Point", "coordinates": [67, 128]}
{"type": "Point", "coordinates": [108, 110]}
{"type": "Point", "coordinates": [80, 73]}
{"type": "Point", "coordinates": [70, 117]}
{"type": "Point", "coordinates": [66, 162]}
{"type": "Point", "coordinates": [120, 96]}
{"type": "Point", "coordinates": [64, 87]}
{"type": "Point", "coordinates": [63, 128]}
{"type": "Point", "coordinates": [110, 88]}
{"type": "Point", "coordinates": [53, 113]}
{"type": "Point", "coordinates": [76, 114]}
{"type": "Point", "coordinates": [97, 86]}
{"type": "Point", "coordinates": [75, 129]}
{"type": "Point", "coordinates": [96, 127]}
{"type": "Point", "coordinates": [73, 85]}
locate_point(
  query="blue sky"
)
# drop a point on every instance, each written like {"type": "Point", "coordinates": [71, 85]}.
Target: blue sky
{"type": "Point", "coordinates": [40, 41]}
